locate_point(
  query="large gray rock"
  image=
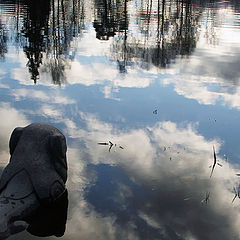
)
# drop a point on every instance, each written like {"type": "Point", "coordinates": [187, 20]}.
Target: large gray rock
{"type": "Point", "coordinates": [33, 195]}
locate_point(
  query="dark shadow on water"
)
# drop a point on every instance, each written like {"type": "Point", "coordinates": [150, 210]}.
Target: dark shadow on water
{"type": "Point", "coordinates": [51, 220]}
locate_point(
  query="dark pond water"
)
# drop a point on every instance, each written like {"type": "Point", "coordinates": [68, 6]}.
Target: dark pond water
{"type": "Point", "coordinates": [160, 80]}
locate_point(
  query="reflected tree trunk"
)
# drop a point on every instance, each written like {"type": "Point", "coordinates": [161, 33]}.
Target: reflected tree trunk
{"type": "Point", "coordinates": [3, 41]}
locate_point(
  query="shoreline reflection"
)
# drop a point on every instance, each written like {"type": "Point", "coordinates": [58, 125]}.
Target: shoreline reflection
{"type": "Point", "coordinates": [165, 42]}
{"type": "Point", "coordinates": [162, 32]}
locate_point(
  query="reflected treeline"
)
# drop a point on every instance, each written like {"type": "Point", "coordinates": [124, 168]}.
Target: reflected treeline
{"type": "Point", "coordinates": [110, 16]}
{"type": "Point", "coordinates": [3, 41]}
{"type": "Point", "coordinates": [45, 30]}
{"type": "Point", "coordinates": [34, 29]}
{"type": "Point", "coordinates": [161, 30]}
{"type": "Point", "coordinates": [66, 22]}
{"type": "Point", "coordinates": [166, 29]}
{"type": "Point", "coordinates": [50, 28]}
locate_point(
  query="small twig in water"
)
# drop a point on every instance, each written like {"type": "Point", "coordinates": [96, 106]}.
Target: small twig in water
{"type": "Point", "coordinates": [111, 144]}
{"type": "Point", "coordinates": [214, 161]}
{"type": "Point", "coordinates": [206, 199]}
{"type": "Point", "coordinates": [103, 143]}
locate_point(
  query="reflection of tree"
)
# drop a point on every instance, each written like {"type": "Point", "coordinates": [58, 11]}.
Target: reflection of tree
{"type": "Point", "coordinates": [167, 30]}
{"type": "Point", "coordinates": [176, 34]}
{"type": "Point", "coordinates": [3, 41]}
{"type": "Point", "coordinates": [163, 31]}
{"type": "Point", "coordinates": [56, 67]}
{"type": "Point", "coordinates": [66, 21]}
{"type": "Point", "coordinates": [46, 32]}
{"type": "Point", "coordinates": [35, 29]}
{"type": "Point", "coordinates": [236, 5]}
{"type": "Point", "coordinates": [110, 17]}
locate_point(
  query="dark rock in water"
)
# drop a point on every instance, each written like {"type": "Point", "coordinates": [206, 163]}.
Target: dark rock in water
{"type": "Point", "coordinates": [33, 195]}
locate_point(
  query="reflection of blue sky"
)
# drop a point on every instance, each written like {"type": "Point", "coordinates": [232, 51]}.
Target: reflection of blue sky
{"type": "Point", "coordinates": [142, 163]}
{"type": "Point", "coordinates": [132, 99]}
{"type": "Point", "coordinates": [188, 76]}
{"type": "Point", "coordinates": [139, 190]}
{"type": "Point", "coordinates": [165, 183]}
{"type": "Point", "coordinates": [216, 81]}
{"type": "Point", "coordinates": [211, 73]}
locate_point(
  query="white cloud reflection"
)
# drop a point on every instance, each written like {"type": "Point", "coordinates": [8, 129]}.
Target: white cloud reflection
{"type": "Point", "coordinates": [54, 97]}
{"type": "Point", "coordinates": [107, 74]}
{"type": "Point", "coordinates": [211, 73]}
{"type": "Point", "coordinates": [10, 119]}
{"type": "Point", "coordinates": [169, 162]}
{"type": "Point", "coordinates": [206, 85]}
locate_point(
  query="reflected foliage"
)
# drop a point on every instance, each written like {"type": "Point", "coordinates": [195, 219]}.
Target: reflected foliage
{"type": "Point", "coordinates": [56, 67]}
{"type": "Point", "coordinates": [164, 31]}
{"type": "Point", "coordinates": [35, 29]}
{"type": "Point", "coordinates": [45, 30]}
{"type": "Point", "coordinates": [110, 17]}
{"type": "Point", "coordinates": [50, 28]}
{"type": "Point", "coordinates": [168, 29]}
{"type": "Point", "coordinates": [3, 41]}
{"type": "Point", "coordinates": [51, 220]}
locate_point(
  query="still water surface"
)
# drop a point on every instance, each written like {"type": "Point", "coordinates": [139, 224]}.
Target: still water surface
{"type": "Point", "coordinates": [157, 79]}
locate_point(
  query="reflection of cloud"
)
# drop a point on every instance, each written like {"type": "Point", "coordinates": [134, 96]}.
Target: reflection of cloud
{"type": "Point", "coordinates": [106, 74]}
{"type": "Point", "coordinates": [87, 74]}
{"type": "Point", "coordinates": [193, 87]}
{"type": "Point", "coordinates": [49, 111]}
{"type": "Point", "coordinates": [41, 95]}
{"type": "Point", "coordinates": [1, 77]}
{"type": "Point", "coordinates": [169, 163]}
{"type": "Point", "coordinates": [97, 72]}
{"type": "Point", "coordinates": [193, 82]}
{"type": "Point", "coordinates": [3, 86]}
{"type": "Point", "coordinates": [84, 222]}
{"type": "Point", "coordinates": [165, 164]}
{"type": "Point", "coordinates": [211, 73]}
{"type": "Point", "coordinates": [2, 72]}
{"type": "Point", "coordinates": [85, 44]}
{"type": "Point", "coordinates": [21, 72]}
{"type": "Point", "coordinates": [10, 119]}
{"type": "Point", "coordinates": [24, 93]}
